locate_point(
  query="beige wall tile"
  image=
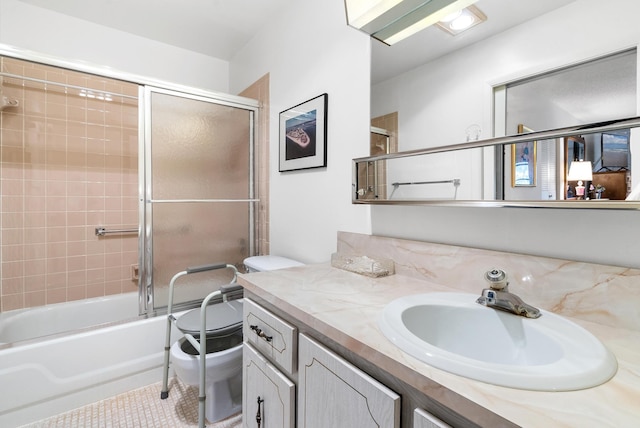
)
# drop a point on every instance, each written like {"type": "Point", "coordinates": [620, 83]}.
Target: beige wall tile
{"type": "Point", "coordinates": [34, 283]}
{"type": "Point", "coordinates": [64, 158]}
{"type": "Point", "coordinates": [12, 253]}
{"type": "Point", "coordinates": [32, 299]}
{"type": "Point", "coordinates": [12, 301]}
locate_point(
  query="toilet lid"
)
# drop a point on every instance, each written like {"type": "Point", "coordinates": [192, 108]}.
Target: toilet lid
{"type": "Point", "coordinates": [222, 319]}
{"type": "Point", "coordinates": [266, 263]}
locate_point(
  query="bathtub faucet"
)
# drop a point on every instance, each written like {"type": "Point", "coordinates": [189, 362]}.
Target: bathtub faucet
{"type": "Point", "coordinates": [497, 296]}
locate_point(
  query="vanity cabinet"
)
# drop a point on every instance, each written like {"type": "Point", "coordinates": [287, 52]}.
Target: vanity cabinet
{"type": "Point", "coordinates": [333, 393]}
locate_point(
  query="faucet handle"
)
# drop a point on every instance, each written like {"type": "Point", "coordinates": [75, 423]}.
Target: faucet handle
{"type": "Point", "coordinates": [497, 279]}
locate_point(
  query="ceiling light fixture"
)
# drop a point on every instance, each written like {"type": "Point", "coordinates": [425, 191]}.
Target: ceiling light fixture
{"type": "Point", "coordinates": [467, 18]}
{"type": "Point", "coordinates": [451, 16]}
{"type": "Point", "coordinates": [393, 20]}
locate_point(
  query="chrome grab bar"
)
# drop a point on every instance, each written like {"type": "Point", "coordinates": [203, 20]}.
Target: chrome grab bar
{"type": "Point", "coordinates": [101, 231]}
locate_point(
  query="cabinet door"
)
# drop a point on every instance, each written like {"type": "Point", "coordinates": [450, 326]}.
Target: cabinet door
{"type": "Point", "coordinates": [268, 397]}
{"type": "Point", "coordinates": [333, 393]}
{"type": "Point", "coordinates": [424, 419]}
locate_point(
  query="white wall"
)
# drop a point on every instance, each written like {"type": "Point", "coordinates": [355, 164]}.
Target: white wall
{"type": "Point", "coordinates": [44, 32]}
{"type": "Point", "coordinates": [458, 93]}
{"type": "Point", "coordinates": [308, 51]}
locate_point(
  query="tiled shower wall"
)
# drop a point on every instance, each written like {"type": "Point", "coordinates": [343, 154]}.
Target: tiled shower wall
{"type": "Point", "coordinates": [68, 164]}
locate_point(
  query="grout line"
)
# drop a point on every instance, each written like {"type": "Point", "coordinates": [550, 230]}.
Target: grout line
{"type": "Point", "coordinates": [139, 408]}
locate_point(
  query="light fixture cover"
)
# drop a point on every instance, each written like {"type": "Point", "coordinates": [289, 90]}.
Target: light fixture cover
{"type": "Point", "coordinates": [471, 16]}
{"type": "Point", "coordinates": [393, 20]}
{"type": "Point", "coordinates": [580, 170]}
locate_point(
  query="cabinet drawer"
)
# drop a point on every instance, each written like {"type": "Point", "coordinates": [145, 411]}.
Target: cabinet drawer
{"type": "Point", "coordinates": [271, 336]}
{"type": "Point", "coordinates": [334, 393]}
{"type": "Point", "coordinates": [268, 397]}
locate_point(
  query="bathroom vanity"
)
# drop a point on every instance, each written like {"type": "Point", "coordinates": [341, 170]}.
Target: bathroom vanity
{"type": "Point", "coordinates": [325, 380]}
{"type": "Point", "coordinates": [316, 355]}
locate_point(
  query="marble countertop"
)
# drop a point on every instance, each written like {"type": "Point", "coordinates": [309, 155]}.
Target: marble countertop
{"type": "Point", "coordinates": [345, 307]}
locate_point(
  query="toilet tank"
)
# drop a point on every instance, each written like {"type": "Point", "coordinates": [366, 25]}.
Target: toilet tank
{"type": "Point", "coordinates": [266, 263]}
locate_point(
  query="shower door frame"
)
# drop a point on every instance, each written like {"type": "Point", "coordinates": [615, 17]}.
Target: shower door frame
{"type": "Point", "coordinates": [144, 82]}
{"type": "Point", "coordinates": [145, 242]}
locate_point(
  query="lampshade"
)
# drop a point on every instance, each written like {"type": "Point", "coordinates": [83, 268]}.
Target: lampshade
{"type": "Point", "coordinates": [393, 20]}
{"type": "Point", "coordinates": [580, 171]}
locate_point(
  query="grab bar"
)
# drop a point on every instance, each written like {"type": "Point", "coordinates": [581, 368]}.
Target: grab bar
{"type": "Point", "coordinates": [455, 181]}
{"type": "Point", "coordinates": [101, 231]}
{"type": "Point", "coordinates": [200, 346]}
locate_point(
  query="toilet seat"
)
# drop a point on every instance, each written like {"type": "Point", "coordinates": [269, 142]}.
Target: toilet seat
{"type": "Point", "coordinates": [215, 344]}
{"type": "Point", "coordinates": [223, 319]}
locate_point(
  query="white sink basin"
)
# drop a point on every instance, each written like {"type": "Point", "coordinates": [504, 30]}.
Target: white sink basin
{"type": "Point", "coordinates": [452, 332]}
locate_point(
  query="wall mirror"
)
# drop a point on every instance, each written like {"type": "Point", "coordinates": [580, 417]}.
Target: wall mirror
{"type": "Point", "coordinates": [535, 170]}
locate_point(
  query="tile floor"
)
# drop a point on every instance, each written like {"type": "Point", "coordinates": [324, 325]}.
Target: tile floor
{"type": "Point", "coordinates": [140, 408]}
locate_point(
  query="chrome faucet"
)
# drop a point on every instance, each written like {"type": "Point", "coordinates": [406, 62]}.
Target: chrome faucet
{"type": "Point", "coordinates": [497, 296]}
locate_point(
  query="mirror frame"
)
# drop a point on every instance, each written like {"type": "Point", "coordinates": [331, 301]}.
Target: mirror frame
{"type": "Point", "coordinates": [597, 127]}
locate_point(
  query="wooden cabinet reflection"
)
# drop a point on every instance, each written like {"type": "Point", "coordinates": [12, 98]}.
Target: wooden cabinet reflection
{"type": "Point", "coordinates": [614, 182]}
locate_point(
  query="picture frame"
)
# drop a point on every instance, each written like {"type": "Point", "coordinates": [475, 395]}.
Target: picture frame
{"type": "Point", "coordinates": [523, 161]}
{"type": "Point", "coordinates": [303, 135]}
{"type": "Point", "coordinates": [615, 150]}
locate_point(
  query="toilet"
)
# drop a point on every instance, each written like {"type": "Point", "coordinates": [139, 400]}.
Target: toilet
{"type": "Point", "coordinates": [223, 363]}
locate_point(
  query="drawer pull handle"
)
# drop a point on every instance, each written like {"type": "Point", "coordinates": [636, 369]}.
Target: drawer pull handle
{"type": "Point", "coordinates": [258, 416]}
{"type": "Point", "coordinates": [260, 333]}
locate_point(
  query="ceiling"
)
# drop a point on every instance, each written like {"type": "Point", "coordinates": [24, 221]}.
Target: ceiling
{"type": "Point", "coordinates": [220, 28]}
{"type": "Point", "coordinates": [217, 28]}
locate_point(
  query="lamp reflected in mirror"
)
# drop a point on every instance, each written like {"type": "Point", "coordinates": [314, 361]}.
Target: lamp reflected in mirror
{"type": "Point", "coordinates": [582, 172]}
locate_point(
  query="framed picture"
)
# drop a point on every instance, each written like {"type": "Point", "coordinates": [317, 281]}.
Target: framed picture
{"type": "Point", "coordinates": [303, 135]}
{"type": "Point", "coordinates": [523, 161]}
{"type": "Point", "coordinates": [615, 150]}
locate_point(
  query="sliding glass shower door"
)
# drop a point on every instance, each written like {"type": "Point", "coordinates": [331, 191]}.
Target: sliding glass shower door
{"type": "Point", "coordinates": [198, 193]}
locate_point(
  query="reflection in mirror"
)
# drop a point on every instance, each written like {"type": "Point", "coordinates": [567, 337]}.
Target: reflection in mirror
{"type": "Point", "coordinates": [575, 167]}
{"type": "Point", "coordinates": [532, 170]}
{"type": "Point", "coordinates": [383, 140]}
{"type": "Point", "coordinates": [523, 163]}
{"type": "Point", "coordinates": [572, 166]}
{"type": "Point", "coordinates": [445, 176]}
{"type": "Point", "coordinates": [574, 147]}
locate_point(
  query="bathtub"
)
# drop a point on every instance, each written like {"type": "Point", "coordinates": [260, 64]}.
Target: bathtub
{"type": "Point", "coordinates": [78, 361]}
{"type": "Point", "coordinates": [32, 323]}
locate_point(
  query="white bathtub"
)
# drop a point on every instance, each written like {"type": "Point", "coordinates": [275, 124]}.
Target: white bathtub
{"type": "Point", "coordinates": [46, 376]}
{"type": "Point", "coordinates": [32, 323]}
